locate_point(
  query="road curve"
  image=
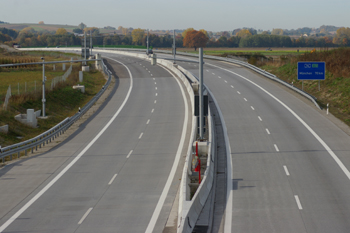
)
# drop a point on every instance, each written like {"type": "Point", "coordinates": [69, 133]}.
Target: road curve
{"type": "Point", "coordinates": [116, 176]}
{"type": "Point", "coordinates": [284, 179]}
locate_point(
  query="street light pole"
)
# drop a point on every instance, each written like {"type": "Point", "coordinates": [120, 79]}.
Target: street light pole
{"type": "Point", "coordinates": [43, 100]}
{"type": "Point", "coordinates": [201, 89]}
{"type": "Point", "coordinates": [85, 48]}
{"type": "Point", "coordinates": [147, 41]}
{"type": "Point", "coordinates": [174, 47]}
{"type": "Point", "coordinates": [90, 43]}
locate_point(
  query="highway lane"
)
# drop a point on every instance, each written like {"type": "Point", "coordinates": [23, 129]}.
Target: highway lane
{"type": "Point", "coordinates": [116, 185]}
{"type": "Point", "coordinates": [283, 178]}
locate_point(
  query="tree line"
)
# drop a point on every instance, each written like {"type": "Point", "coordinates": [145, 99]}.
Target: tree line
{"type": "Point", "coordinates": [189, 38]}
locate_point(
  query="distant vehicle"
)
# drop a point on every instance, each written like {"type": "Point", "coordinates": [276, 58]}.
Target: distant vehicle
{"type": "Point", "coordinates": [268, 49]}
{"type": "Point", "coordinates": [150, 51]}
{"type": "Point", "coordinates": [57, 46]}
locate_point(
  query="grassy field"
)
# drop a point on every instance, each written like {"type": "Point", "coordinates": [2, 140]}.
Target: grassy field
{"type": "Point", "coordinates": [335, 90]}
{"type": "Point", "coordinates": [61, 102]}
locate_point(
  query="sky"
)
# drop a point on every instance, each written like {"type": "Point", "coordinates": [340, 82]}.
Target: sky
{"type": "Point", "coordinates": [218, 15]}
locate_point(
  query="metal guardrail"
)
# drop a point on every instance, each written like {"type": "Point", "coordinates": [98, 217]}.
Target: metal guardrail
{"type": "Point", "coordinates": [254, 68]}
{"type": "Point", "coordinates": [55, 131]}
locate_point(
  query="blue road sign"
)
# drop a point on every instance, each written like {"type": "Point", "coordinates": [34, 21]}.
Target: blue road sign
{"type": "Point", "coordinates": [311, 70]}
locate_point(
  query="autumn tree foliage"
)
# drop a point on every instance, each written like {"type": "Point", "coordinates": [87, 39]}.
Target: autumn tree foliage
{"type": "Point", "coordinates": [137, 35]}
{"type": "Point", "coordinates": [277, 31]}
{"type": "Point", "coordinates": [185, 32]}
{"type": "Point", "coordinates": [61, 31]}
{"type": "Point", "coordinates": [243, 33]}
{"type": "Point", "coordinates": [41, 22]}
{"type": "Point", "coordinates": [195, 39]}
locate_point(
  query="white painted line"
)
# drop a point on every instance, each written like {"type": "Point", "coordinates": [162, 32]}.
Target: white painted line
{"type": "Point", "coordinates": [213, 73]}
{"type": "Point", "coordinates": [165, 191]}
{"type": "Point", "coordinates": [298, 202]}
{"type": "Point", "coordinates": [143, 66]}
{"type": "Point", "coordinates": [331, 153]}
{"type": "Point", "coordinates": [156, 94]}
{"type": "Point", "coordinates": [207, 70]}
{"type": "Point", "coordinates": [155, 101]}
{"type": "Point", "coordinates": [276, 148]}
{"type": "Point", "coordinates": [146, 69]}
{"type": "Point", "coordinates": [129, 154]}
{"type": "Point", "coordinates": [149, 71]}
{"type": "Point", "coordinates": [252, 107]}
{"type": "Point", "coordinates": [110, 182]}
{"type": "Point", "coordinates": [232, 86]}
{"type": "Point", "coordinates": [156, 88]}
{"type": "Point", "coordinates": [259, 118]}
{"type": "Point", "coordinates": [152, 110]}
{"type": "Point", "coordinates": [84, 216]}
{"type": "Point", "coordinates": [225, 81]}
{"type": "Point", "coordinates": [148, 121]}
{"type": "Point", "coordinates": [286, 170]}
{"type": "Point", "coordinates": [219, 77]}
{"type": "Point", "coordinates": [54, 180]}
{"type": "Point", "coordinates": [238, 92]}
{"type": "Point", "coordinates": [151, 74]}
{"type": "Point", "coordinates": [155, 83]}
{"type": "Point", "coordinates": [140, 135]}
{"type": "Point", "coordinates": [267, 130]}
{"type": "Point", "coordinates": [154, 79]}
{"type": "Point", "coordinates": [245, 99]}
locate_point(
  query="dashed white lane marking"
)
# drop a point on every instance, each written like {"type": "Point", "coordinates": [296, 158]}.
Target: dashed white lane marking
{"type": "Point", "coordinates": [155, 83]}
{"type": "Point", "coordinates": [276, 147]}
{"type": "Point", "coordinates": [129, 154]}
{"type": "Point", "coordinates": [245, 99]}
{"type": "Point", "coordinates": [238, 92]}
{"type": "Point", "coordinates": [146, 69]}
{"type": "Point", "coordinates": [286, 170]}
{"type": "Point", "coordinates": [151, 74]}
{"type": "Point", "coordinates": [152, 110]}
{"type": "Point", "coordinates": [213, 73]}
{"type": "Point", "coordinates": [149, 71]}
{"type": "Point", "coordinates": [298, 202]}
{"type": "Point", "coordinates": [141, 135]}
{"type": "Point", "coordinates": [110, 182]}
{"type": "Point", "coordinates": [225, 81]}
{"type": "Point", "coordinates": [156, 94]}
{"type": "Point", "coordinates": [84, 216]}
{"type": "Point", "coordinates": [219, 77]}
{"type": "Point", "coordinates": [232, 86]}
{"type": "Point", "coordinates": [259, 118]}
{"type": "Point", "coordinates": [154, 79]}
{"type": "Point", "coordinates": [207, 70]}
{"type": "Point", "coordinates": [54, 180]}
{"type": "Point", "coordinates": [148, 121]}
{"type": "Point", "coordinates": [156, 88]}
{"type": "Point", "coordinates": [267, 130]}
{"type": "Point", "coordinates": [155, 101]}
{"type": "Point", "coordinates": [252, 107]}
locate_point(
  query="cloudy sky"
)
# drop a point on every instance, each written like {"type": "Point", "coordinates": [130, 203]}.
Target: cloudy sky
{"type": "Point", "coordinates": [218, 15]}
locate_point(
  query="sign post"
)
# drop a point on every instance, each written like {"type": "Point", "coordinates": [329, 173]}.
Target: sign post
{"type": "Point", "coordinates": [311, 71]}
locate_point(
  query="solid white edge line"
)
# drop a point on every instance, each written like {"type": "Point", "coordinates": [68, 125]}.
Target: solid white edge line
{"type": "Point", "coordinates": [320, 140]}
{"type": "Point", "coordinates": [298, 202]}
{"type": "Point", "coordinates": [54, 180]}
{"type": "Point", "coordinates": [161, 200]}
{"type": "Point", "coordinates": [286, 170]}
{"type": "Point", "coordinates": [267, 130]}
{"type": "Point", "coordinates": [276, 148]}
{"type": "Point", "coordinates": [129, 154]}
{"type": "Point", "coordinates": [84, 216]}
{"type": "Point", "coordinates": [140, 135]}
{"type": "Point", "coordinates": [110, 182]}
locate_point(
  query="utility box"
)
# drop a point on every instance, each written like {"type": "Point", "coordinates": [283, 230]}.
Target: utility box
{"type": "Point", "coordinates": [153, 59]}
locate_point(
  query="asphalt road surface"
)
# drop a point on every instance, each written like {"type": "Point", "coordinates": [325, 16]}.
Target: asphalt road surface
{"type": "Point", "coordinates": [116, 173]}
{"type": "Point", "coordinates": [289, 161]}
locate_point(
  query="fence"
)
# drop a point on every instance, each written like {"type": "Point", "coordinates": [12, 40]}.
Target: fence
{"type": "Point", "coordinates": [62, 78]}
{"type": "Point", "coordinates": [55, 131]}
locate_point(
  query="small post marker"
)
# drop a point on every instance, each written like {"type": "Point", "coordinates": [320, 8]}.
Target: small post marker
{"type": "Point", "coordinates": [327, 108]}
{"type": "Point", "coordinates": [79, 110]}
